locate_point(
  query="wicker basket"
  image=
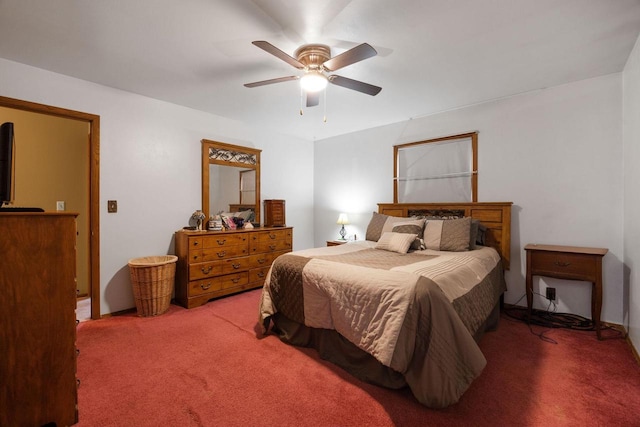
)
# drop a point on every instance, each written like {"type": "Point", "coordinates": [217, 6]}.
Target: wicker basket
{"type": "Point", "coordinates": [152, 279]}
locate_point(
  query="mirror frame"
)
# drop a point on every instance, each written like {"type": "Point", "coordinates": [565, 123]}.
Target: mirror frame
{"type": "Point", "coordinates": [228, 155]}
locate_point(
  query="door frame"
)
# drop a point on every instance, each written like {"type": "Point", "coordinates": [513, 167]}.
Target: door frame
{"type": "Point", "coordinates": [94, 184]}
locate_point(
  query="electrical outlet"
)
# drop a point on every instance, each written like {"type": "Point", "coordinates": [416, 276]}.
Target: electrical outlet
{"type": "Point", "coordinates": [551, 294]}
{"type": "Point", "coordinates": [112, 206]}
{"type": "Point", "coordinates": [60, 205]}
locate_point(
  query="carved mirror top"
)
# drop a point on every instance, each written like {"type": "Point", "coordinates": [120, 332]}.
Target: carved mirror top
{"type": "Point", "coordinates": [239, 159]}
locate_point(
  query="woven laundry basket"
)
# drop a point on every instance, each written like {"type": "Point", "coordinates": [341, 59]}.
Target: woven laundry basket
{"type": "Point", "coordinates": [152, 280]}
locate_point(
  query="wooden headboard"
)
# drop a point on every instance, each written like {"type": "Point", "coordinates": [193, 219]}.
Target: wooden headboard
{"type": "Point", "coordinates": [496, 216]}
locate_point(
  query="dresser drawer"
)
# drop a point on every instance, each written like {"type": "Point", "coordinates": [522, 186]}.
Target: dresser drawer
{"type": "Point", "coordinates": [269, 236]}
{"type": "Point", "coordinates": [213, 241]}
{"type": "Point", "coordinates": [236, 264]}
{"type": "Point", "coordinates": [212, 254]}
{"type": "Point", "coordinates": [223, 240]}
{"type": "Point", "coordinates": [204, 270]}
{"type": "Point", "coordinates": [563, 265]}
{"type": "Point", "coordinates": [258, 274]}
{"type": "Point", "coordinates": [273, 246]}
{"type": "Point", "coordinates": [201, 287]}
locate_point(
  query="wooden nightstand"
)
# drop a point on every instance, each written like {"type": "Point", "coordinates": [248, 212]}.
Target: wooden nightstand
{"type": "Point", "coordinates": [570, 263]}
{"type": "Point", "coordinates": [336, 242]}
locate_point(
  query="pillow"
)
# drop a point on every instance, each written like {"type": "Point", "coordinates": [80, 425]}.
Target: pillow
{"type": "Point", "coordinates": [380, 223]}
{"type": "Point", "coordinates": [395, 242]}
{"type": "Point", "coordinates": [448, 234]}
{"type": "Point", "coordinates": [481, 238]}
{"type": "Point", "coordinates": [473, 234]}
{"type": "Point", "coordinates": [246, 215]}
{"type": "Point", "coordinates": [410, 229]}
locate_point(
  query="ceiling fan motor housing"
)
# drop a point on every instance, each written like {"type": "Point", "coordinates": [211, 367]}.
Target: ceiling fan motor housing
{"type": "Point", "coordinates": [312, 56]}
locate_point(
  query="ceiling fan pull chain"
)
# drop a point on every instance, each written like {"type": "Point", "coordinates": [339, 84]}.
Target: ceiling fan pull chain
{"type": "Point", "coordinates": [301, 100]}
{"type": "Point", "coordinates": [325, 105]}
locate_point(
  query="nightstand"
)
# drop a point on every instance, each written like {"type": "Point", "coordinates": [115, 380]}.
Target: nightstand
{"type": "Point", "coordinates": [336, 242]}
{"type": "Point", "coordinates": [570, 263]}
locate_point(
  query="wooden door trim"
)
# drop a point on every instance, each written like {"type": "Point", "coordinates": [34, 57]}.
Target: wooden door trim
{"type": "Point", "coordinates": [94, 184]}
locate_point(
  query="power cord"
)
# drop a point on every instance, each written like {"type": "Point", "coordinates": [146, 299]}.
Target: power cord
{"type": "Point", "coordinates": [550, 319]}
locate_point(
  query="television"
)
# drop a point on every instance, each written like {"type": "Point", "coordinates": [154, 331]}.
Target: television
{"type": "Point", "coordinates": [7, 169]}
{"type": "Point", "coordinates": [6, 163]}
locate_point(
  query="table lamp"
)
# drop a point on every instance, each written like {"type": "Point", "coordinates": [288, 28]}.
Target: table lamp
{"type": "Point", "coordinates": [342, 220]}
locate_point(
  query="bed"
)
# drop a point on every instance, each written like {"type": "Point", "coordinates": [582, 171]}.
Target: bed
{"type": "Point", "coordinates": [407, 306]}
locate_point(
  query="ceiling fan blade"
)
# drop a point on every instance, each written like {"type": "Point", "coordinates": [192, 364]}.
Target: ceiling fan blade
{"type": "Point", "coordinates": [357, 54]}
{"type": "Point", "coordinates": [313, 99]}
{"type": "Point", "coordinates": [268, 47]}
{"type": "Point", "coordinates": [355, 85]}
{"type": "Point", "coordinates": [271, 81]}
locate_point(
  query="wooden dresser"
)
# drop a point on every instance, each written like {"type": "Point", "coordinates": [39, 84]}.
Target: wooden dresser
{"type": "Point", "coordinates": [37, 319]}
{"type": "Point", "coordinates": [212, 264]}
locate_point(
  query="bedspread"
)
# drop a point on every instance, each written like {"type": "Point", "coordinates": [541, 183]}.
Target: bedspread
{"type": "Point", "coordinates": [416, 313]}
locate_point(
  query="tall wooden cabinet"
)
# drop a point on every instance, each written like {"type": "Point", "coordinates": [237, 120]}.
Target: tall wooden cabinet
{"type": "Point", "coordinates": [37, 319]}
{"type": "Point", "coordinates": [212, 264]}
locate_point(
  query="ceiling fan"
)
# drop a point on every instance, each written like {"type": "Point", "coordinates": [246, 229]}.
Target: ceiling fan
{"type": "Point", "coordinates": [315, 61]}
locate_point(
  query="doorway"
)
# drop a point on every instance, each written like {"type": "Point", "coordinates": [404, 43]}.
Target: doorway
{"type": "Point", "coordinates": [93, 209]}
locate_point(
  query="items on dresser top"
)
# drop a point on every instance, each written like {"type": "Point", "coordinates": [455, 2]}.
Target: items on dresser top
{"type": "Point", "coordinates": [274, 213]}
{"type": "Point", "coordinates": [219, 263]}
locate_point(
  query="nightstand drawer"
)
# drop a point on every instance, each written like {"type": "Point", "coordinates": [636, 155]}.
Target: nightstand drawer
{"type": "Point", "coordinates": [563, 265]}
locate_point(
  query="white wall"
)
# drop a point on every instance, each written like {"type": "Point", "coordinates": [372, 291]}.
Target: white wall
{"type": "Point", "coordinates": [631, 150]}
{"type": "Point", "coordinates": [555, 153]}
{"type": "Point", "coordinates": [150, 163]}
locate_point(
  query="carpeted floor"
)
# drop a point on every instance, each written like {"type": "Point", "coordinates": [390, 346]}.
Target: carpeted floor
{"type": "Point", "coordinates": [208, 366]}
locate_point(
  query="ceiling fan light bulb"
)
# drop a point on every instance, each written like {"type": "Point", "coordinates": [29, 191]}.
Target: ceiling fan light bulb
{"type": "Point", "coordinates": [313, 82]}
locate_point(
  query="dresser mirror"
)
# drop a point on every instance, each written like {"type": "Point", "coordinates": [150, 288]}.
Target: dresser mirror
{"type": "Point", "coordinates": [230, 179]}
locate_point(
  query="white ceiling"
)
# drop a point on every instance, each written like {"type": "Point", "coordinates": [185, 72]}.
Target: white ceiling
{"type": "Point", "coordinates": [433, 55]}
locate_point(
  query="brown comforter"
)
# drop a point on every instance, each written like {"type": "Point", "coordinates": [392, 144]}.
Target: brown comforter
{"type": "Point", "coordinates": [416, 313]}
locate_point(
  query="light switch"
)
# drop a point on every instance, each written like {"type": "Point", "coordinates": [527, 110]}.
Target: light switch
{"type": "Point", "coordinates": [112, 206]}
{"type": "Point", "coordinates": [60, 205]}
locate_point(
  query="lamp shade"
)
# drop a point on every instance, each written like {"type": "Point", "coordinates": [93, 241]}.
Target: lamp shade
{"type": "Point", "coordinates": [343, 219]}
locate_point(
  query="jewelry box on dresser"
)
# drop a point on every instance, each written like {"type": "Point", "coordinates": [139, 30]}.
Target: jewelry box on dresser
{"type": "Point", "coordinates": [212, 264]}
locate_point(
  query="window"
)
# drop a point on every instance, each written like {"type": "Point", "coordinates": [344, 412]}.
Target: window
{"type": "Point", "coordinates": [437, 170]}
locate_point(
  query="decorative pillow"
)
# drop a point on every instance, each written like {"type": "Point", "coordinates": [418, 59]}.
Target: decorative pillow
{"type": "Point", "coordinates": [411, 229]}
{"type": "Point", "coordinates": [473, 233]}
{"type": "Point", "coordinates": [395, 242]}
{"type": "Point", "coordinates": [481, 238]}
{"type": "Point", "coordinates": [448, 234]}
{"type": "Point", "coordinates": [380, 223]}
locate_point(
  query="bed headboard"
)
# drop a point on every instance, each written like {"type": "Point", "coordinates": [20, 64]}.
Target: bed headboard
{"type": "Point", "coordinates": [496, 216]}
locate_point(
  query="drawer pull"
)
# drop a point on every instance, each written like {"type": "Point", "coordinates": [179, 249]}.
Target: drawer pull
{"type": "Point", "coordinates": [261, 275]}
{"type": "Point", "coordinates": [205, 287]}
{"type": "Point", "coordinates": [235, 266]}
{"type": "Point", "coordinates": [195, 257]}
{"type": "Point", "coordinates": [272, 236]}
{"type": "Point", "coordinates": [236, 280]}
{"type": "Point", "coordinates": [196, 243]}
{"type": "Point", "coordinates": [221, 242]}
{"type": "Point", "coordinates": [272, 247]}
{"type": "Point", "coordinates": [221, 254]}
{"type": "Point", "coordinates": [206, 270]}
{"type": "Point", "coordinates": [562, 263]}
{"type": "Point", "coordinates": [262, 260]}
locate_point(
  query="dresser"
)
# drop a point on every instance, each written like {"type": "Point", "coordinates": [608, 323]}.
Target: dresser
{"type": "Point", "coordinates": [37, 319]}
{"type": "Point", "coordinates": [212, 264]}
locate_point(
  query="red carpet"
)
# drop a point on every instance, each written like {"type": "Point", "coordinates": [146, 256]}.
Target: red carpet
{"type": "Point", "coordinates": [208, 367]}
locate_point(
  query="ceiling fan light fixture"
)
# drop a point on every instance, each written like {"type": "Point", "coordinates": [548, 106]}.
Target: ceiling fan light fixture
{"type": "Point", "coordinates": [313, 81]}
